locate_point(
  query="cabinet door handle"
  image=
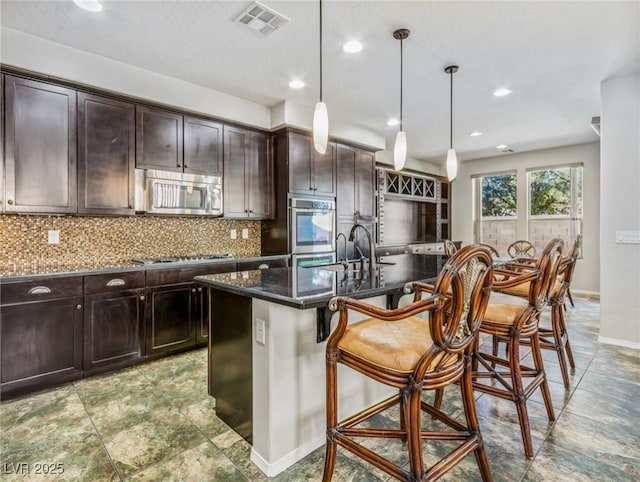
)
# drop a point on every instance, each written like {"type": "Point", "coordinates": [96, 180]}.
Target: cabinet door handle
{"type": "Point", "coordinates": [193, 290]}
{"type": "Point", "coordinates": [116, 282]}
{"type": "Point", "coordinates": [263, 266]}
{"type": "Point", "coordinates": [141, 297]}
{"type": "Point", "coordinates": [200, 290]}
{"type": "Point", "coordinates": [78, 307]}
{"type": "Point", "coordinates": [250, 210]}
{"type": "Point", "coordinates": [10, 201]}
{"type": "Point", "coordinates": [40, 290]}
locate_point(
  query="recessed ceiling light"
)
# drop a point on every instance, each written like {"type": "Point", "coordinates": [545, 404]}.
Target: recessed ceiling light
{"type": "Point", "coordinates": [393, 122]}
{"type": "Point", "coordinates": [501, 92]}
{"type": "Point", "coordinates": [296, 84]}
{"type": "Point", "coordinates": [501, 146]}
{"type": "Point", "coordinates": [352, 47]}
{"type": "Point", "coordinates": [90, 5]}
{"type": "Point", "coordinates": [475, 134]}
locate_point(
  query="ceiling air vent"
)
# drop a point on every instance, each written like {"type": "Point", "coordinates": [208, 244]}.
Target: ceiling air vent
{"type": "Point", "coordinates": [261, 18]}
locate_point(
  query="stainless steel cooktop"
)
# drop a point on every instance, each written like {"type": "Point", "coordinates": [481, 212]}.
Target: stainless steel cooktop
{"type": "Point", "coordinates": [182, 259]}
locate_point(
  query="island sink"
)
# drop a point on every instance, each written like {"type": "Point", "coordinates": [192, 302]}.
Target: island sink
{"type": "Point", "coordinates": [352, 265]}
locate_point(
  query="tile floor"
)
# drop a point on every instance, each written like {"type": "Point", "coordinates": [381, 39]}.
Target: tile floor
{"type": "Point", "coordinates": [155, 422]}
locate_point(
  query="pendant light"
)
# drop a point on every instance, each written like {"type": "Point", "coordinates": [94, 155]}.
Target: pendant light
{"type": "Point", "coordinates": [452, 160]}
{"type": "Point", "coordinates": [320, 115]}
{"type": "Point", "coordinates": [400, 147]}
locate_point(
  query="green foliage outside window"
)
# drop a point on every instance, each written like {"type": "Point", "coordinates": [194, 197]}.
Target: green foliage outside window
{"type": "Point", "coordinates": [550, 192]}
{"type": "Point", "coordinates": [499, 195]}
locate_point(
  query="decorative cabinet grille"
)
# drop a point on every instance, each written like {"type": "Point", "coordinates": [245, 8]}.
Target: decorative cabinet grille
{"type": "Point", "coordinates": [410, 185]}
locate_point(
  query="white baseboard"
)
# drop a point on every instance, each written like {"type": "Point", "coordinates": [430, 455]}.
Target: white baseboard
{"type": "Point", "coordinates": [585, 293]}
{"type": "Point", "coordinates": [614, 341]}
{"type": "Point", "coordinates": [273, 469]}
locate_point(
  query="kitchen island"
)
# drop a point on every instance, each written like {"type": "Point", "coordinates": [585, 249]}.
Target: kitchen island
{"type": "Point", "coordinates": [267, 350]}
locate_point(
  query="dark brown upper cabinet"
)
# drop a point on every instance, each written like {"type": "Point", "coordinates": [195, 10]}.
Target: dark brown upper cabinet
{"type": "Point", "coordinates": [248, 179]}
{"type": "Point", "coordinates": [309, 171]}
{"type": "Point", "coordinates": [106, 150]}
{"type": "Point", "coordinates": [356, 183]}
{"type": "Point", "coordinates": [40, 147]}
{"type": "Point", "coordinates": [202, 146]}
{"type": "Point", "coordinates": [355, 200]}
{"type": "Point", "coordinates": [158, 139]}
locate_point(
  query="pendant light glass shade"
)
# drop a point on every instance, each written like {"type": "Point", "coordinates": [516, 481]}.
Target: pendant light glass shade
{"type": "Point", "coordinates": [400, 147]}
{"type": "Point", "coordinates": [320, 127]}
{"type": "Point", "coordinates": [452, 164]}
{"type": "Point", "coordinates": [452, 159]}
{"type": "Point", "coordinates": [400, 151]}
{"type": "Point", "coordinates": [320, 114]}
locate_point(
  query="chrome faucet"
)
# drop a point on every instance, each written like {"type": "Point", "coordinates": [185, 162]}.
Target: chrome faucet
{"type": "Point", "coordinates": [345, 260]}
{"type": "Point", "coordinates": [372, 248]}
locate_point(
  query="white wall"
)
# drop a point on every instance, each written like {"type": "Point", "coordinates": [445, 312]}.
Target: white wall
{"type": "Point", "coordinates": [586, 277]}
{"type": "Point", "coordinates": [26, 51]}
{"type": "Point", "coordinates": [386, 157]}
{"type": "Point", "coordinates": [43, 56]}
{"type": "Point", "coordinates": [620, 210]}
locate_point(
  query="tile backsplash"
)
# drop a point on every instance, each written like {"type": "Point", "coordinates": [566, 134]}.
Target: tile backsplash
{"type": "Point", "coordinates": [103, 241]}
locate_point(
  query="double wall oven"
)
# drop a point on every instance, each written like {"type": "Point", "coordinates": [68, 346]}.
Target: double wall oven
{"type": "Point", "coordinates": [312, 228]}
{"type": "Point", "coordinates": [312, 235]}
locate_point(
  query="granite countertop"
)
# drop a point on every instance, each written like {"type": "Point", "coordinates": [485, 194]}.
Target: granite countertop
{"type": "Point", "coordinates": [22, 272]}
{"type": "Point", "coordinates": [305, 288]}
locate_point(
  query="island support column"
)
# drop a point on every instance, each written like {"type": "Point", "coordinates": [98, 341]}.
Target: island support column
{"type": "Point", "coordinates": [230, 354]}
{"type": "Point", "coordinates": [289, 418]}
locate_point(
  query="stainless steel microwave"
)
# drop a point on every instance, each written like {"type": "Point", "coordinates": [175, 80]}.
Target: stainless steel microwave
{"type": "Point", "coordinates": [165, 192]}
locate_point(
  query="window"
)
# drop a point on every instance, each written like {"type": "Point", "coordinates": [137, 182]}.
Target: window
{"type": "Point", "coordinates": [497, 214]}
{"type": "Point", "coordinates": [555, 205]}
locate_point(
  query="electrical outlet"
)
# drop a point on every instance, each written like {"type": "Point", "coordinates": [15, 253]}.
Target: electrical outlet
{"type": "Point", "coordinates": [245, 233]}
{"type": "Point", "coordinates": [260, 331]}
{"type": "Point", "coordinates": [234, 234]}
{"type": "Point", "coordinates": [245, 275]}
{"type": "Point", "coordinates": [54, 236]}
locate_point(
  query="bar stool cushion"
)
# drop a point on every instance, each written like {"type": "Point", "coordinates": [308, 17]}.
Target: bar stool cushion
{"type": "Point", "coordinates": [504, 309]}
{"type": "Point", "coordinates": [522, 289]}
{"type": "Point", "coordinates": [395, 345]}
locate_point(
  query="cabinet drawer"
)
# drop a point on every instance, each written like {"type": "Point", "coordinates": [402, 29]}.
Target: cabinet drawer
{"type": "Point", "coordinates": [165, 276]}
{"type": "Point", "coordinates": [107, 283]}
{"type": "Point", "coordinates": [40, 290]}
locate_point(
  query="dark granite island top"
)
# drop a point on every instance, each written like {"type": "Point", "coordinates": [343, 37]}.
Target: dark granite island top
{"type": "Point", "coordinates": [266, 357]}
{"type": "Point", "coordinates": [305, 288]}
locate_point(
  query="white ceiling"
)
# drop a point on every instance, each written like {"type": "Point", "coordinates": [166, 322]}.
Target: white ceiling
{"type": "Point", "coordinates": [553, 55]}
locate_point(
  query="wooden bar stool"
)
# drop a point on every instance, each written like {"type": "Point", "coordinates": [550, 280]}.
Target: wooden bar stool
{"type": "Point", "coordinates": [412, 354]}
{"type": "Point", "coordinates": [515, 319]}
{"type": "Point", "coordinates": [449, 247]}
{"type": "Point", "coordinates": [555, 338]}
{"type": "Point", "coordinates": [521, 249]}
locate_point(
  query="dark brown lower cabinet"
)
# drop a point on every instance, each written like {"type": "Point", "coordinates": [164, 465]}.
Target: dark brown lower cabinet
{"type": "Point", "coordinates": [170, 324]}
{"type": "Point", "coordinates": [41, 344]}
{"type": "Point", "coordinates": [113, 330]}
{"type": "Point", "coordinates": [177, 311]}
